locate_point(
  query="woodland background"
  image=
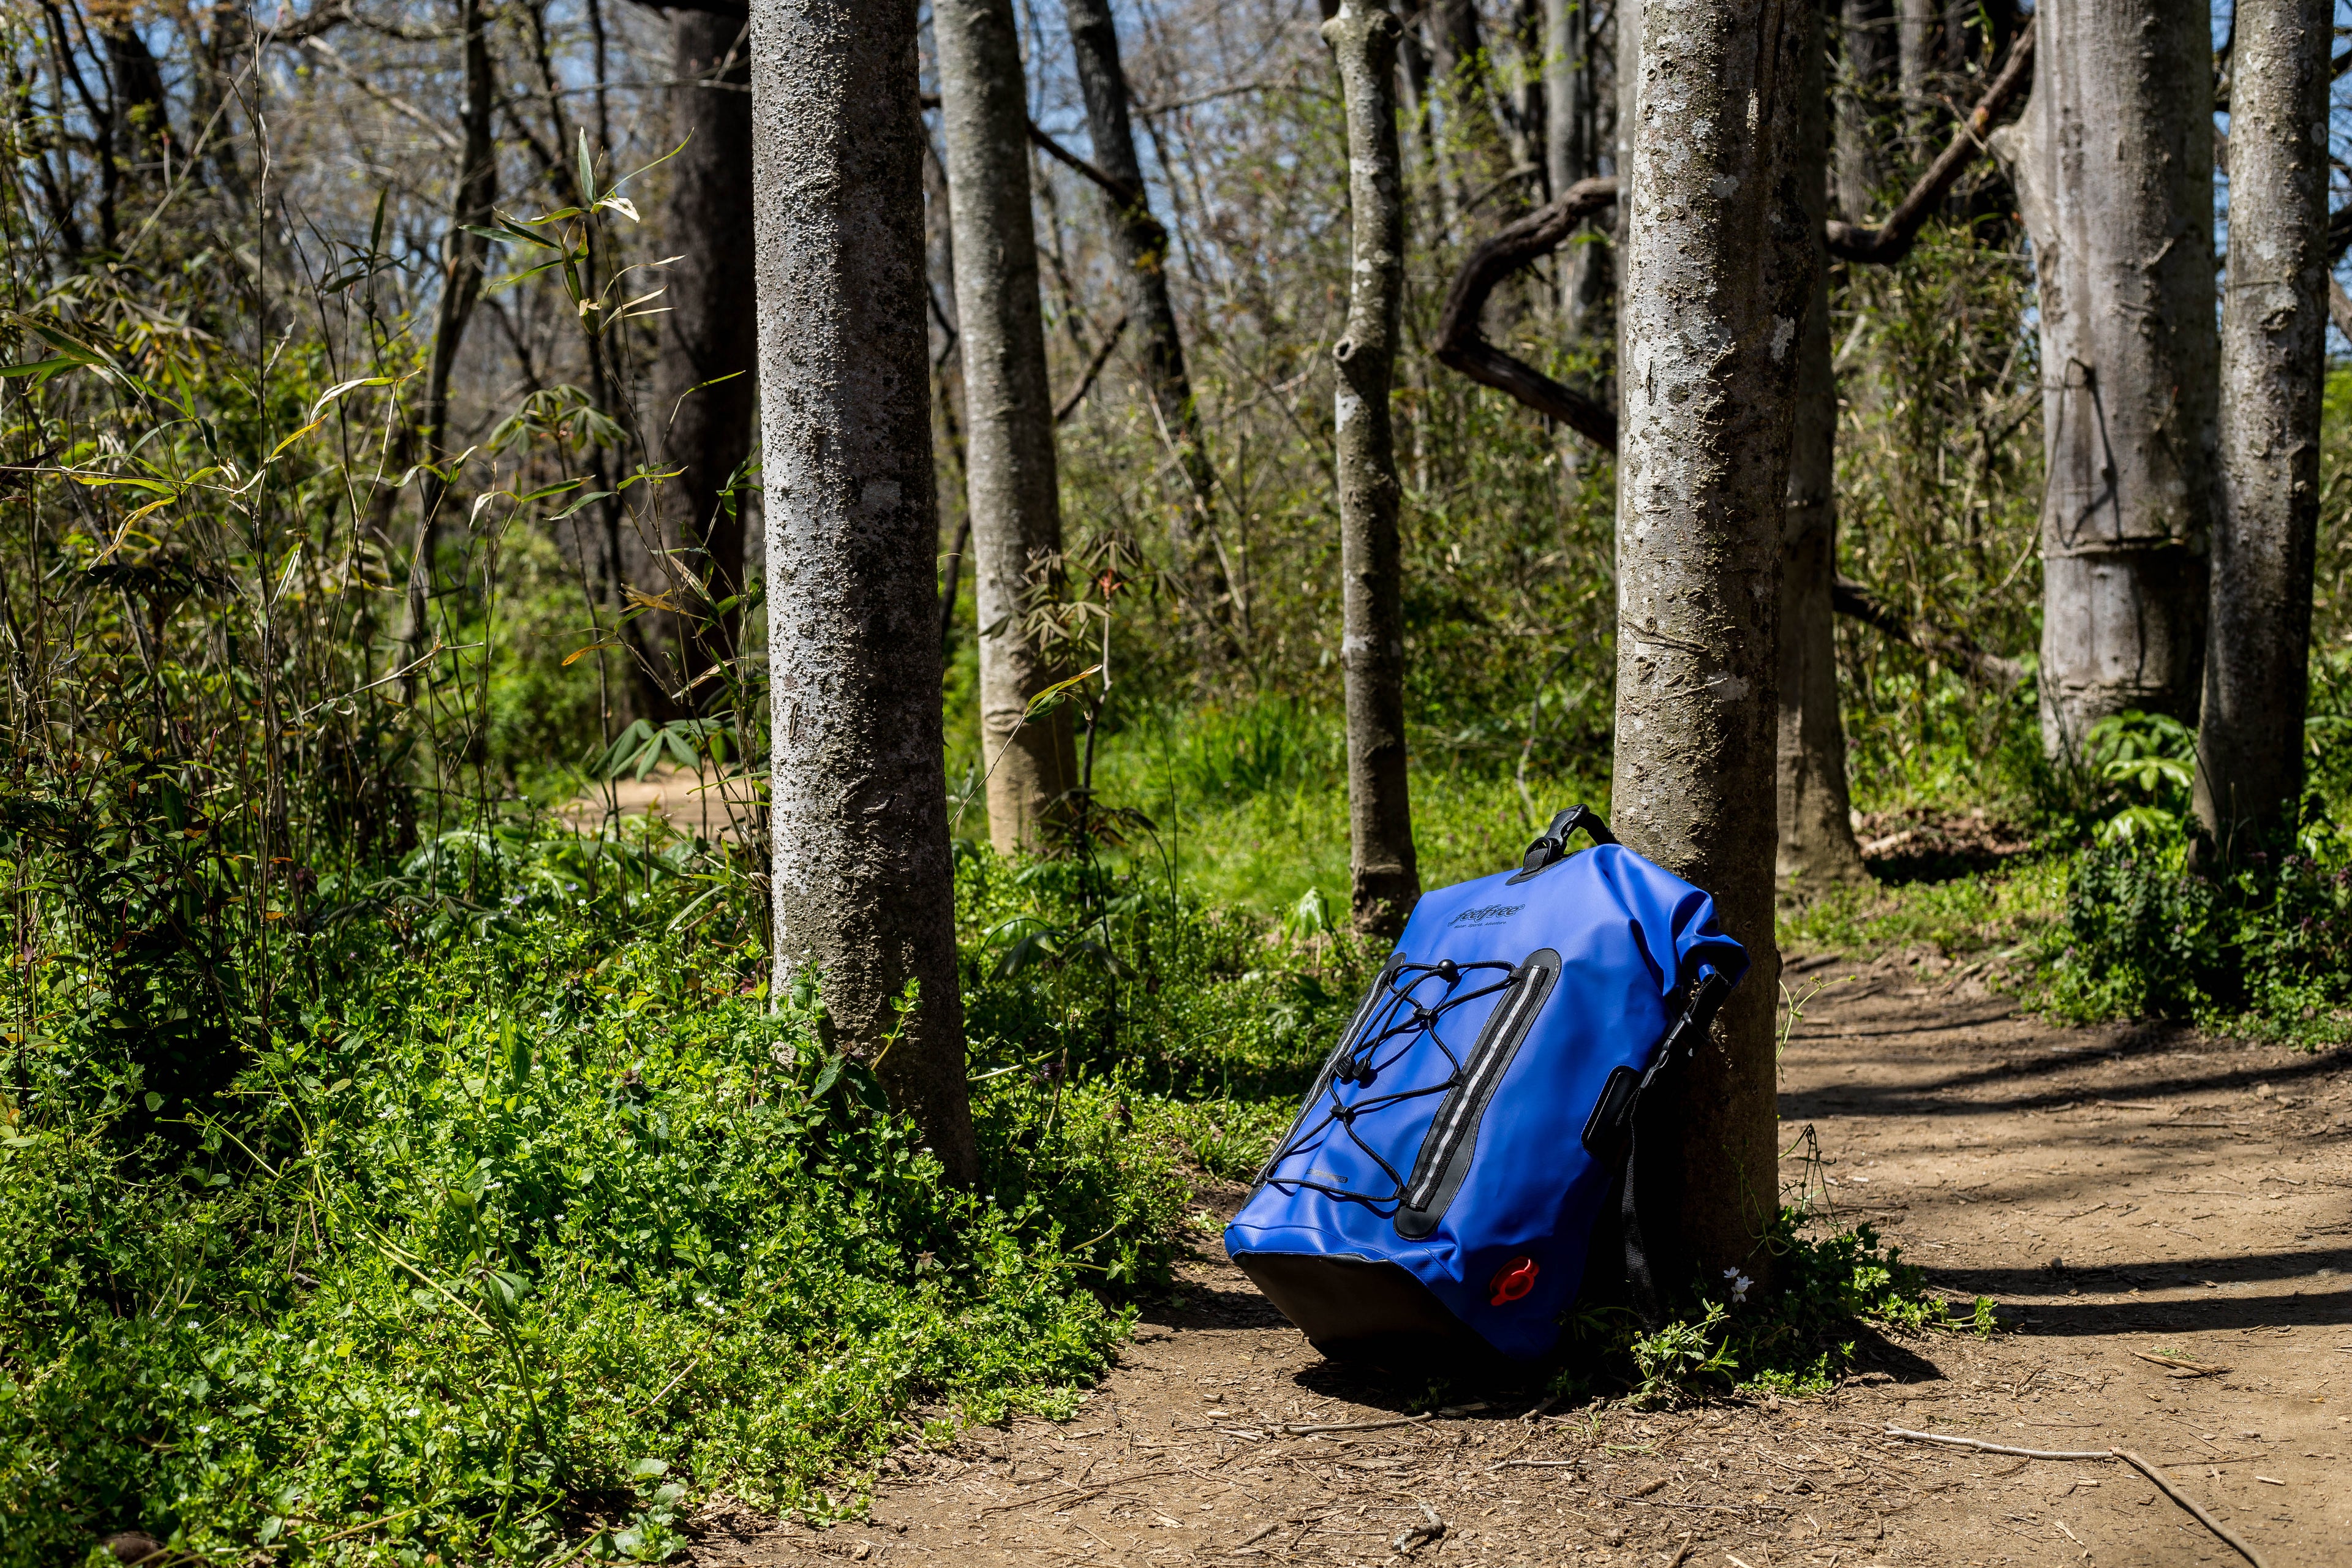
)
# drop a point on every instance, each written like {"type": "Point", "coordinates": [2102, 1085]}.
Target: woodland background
{"type": "Point", "coordinates": [399, 1151]}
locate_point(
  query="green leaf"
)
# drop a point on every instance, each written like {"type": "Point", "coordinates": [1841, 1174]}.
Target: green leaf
{"type": "Point", "coordinates": [42, 370]}
{"type": "Point", "coordinates": [646, 1469]}
{"type": "Point", "coordinates": [827, 1078]}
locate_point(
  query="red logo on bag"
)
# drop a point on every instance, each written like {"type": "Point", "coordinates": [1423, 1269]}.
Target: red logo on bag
{"type": "Point", "coordinates": [1515, 1279]}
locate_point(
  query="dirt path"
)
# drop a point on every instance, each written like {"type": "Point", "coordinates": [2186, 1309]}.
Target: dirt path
{"type": "Point", "coordinates": [2116, 1190]}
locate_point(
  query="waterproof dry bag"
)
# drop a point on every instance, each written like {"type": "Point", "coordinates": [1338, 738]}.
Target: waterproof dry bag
{"type": "Point", "coordinates": [1439, 1189]}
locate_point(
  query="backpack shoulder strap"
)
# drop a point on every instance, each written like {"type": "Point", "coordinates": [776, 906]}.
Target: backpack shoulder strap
{"type": "Point", "coordinates": [1706, 994]}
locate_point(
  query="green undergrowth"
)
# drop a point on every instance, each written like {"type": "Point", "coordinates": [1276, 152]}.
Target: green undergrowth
{"type": "Point", "coordinates": [1831, 1293]}
{"type": "Point", "coordinates": [2258, 948]}
{"type": "Point", "coordinates": [525, 1225]}
{"type": "Point", "coordinates": [1248, 802]}
{"type": "Point", "coordinates": [2000, 910]}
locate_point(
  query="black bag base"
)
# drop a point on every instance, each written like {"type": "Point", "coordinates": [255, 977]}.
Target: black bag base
{"type": "Point", "coordinates": [1368, 1313]}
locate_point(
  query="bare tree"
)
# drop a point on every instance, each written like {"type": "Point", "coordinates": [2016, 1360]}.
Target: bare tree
{"type": "Point", "coordinates": [1817, 845]}
{"type": "Point", "coordinates": [1920, 56]}
{"type": "Point", "coordinates": [465, 253]}
{"type": "Point", "coordinates": [2113, 162]}
{"type": "Point", "coordinates": [1010, 487]}
{"type": "Point", "coordinates": [2249, 778]}
{"type": "Point", "coordinates": [1865, 87]}
{"type": "Point", "coordinates": [1492, 153]}
{"type": "Point", "coordinates": [1718, 269]}
{"type": "Point", "coordinates": [863, 889]}
{"type": "Point", "coordinates": [1386, 877]}
{"type": "Point", "coordinates": [1572, 147]}
{"type": "Point", "coordinates": [1141, 245]}
{"type": "Point", "coordinates": [706, 386]}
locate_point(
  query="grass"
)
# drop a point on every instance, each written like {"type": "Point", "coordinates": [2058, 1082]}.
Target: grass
{"type": "Point", "coordinates": [2004, 909]}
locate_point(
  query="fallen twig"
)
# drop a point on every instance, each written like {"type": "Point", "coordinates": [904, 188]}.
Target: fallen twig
{"type": "Point", "coordinates": [1297, 1431]}
{"type": "Point", "coordinates": [2126, 1455]}
{"type": "Point", "coordinates": [1410, 1541]}
{"type": "Point", "coordinates": [2176, 1495]}
{"type": "Point", "coordinates": [2178, 1366]}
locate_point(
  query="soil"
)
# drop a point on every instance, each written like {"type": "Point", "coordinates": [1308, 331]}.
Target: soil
{"type": "Point", "coordinates": [2121, 1193]}
{"type": "Point", "coordinates": [695, 804]}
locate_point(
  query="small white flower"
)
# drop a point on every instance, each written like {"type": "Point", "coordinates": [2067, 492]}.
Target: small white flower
{"type": "Point", "coordinates": [1739, 1284]}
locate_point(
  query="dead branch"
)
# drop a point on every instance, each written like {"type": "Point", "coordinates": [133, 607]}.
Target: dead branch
{"type": "Point", "coordinates": [1891, 241]}
{"type": "Point", "coordinates": [1851, 599]}
{"type": "Point", "coordinates": [2126, 1455]}
{"type": "Point", "coordinates": [1461, 346]}
{"type": "Point", "coordinates": [321, 20]}
{"type": "Point", "coordinates": [1094, 369]}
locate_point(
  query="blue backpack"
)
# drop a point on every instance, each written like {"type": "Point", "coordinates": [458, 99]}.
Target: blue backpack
{"type": "Point", "coordinates": [1440, 1188]}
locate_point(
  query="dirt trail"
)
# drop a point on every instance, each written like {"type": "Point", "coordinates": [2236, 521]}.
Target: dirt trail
{"type": "Point", "coordinates": [2116, 1190]}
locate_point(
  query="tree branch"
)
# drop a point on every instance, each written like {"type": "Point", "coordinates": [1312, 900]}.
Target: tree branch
{"type": "Point", "coordinates": [1121, 193]}
{"type": "Point", "coordinates": [1891, 241]}
{"type": "Point", "coordinates": [321, 20]}
{"type": "Point", "coordinates": [738, 9]}
{"type": "Point", "coordinates": [1086, 382]}
{"type": "Point", "coordinates": [1853, 600]}
{"type": "Point", "coordinates": [434, 128]}
{"type": "Point", "coordinates": [1461, 346]}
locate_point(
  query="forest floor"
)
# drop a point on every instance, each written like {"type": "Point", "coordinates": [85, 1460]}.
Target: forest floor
{"type": "Point", "coordinates": [2119, 1191]}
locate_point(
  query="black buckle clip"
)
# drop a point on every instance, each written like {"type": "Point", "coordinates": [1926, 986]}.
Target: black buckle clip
{"type": "Point", "coordinates": [1551, 845]}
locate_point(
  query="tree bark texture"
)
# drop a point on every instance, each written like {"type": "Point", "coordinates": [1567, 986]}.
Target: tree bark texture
{"type": "Point", "coordinates": [1718, 261]}
{"type": "Point", "coordinates": [1140, 243]}
{"type": "Point", "coordinates": [1867, 83]}
{"type": "Point", "coordinates": [863, 889]}
{"type": "Point", "coordinates": [706, 382]}
{"type": "Point", "coordinates": [1386, 877]}
{"type": "Point", "coordinates": [2273, 362]}
{"type": "Point", "coordinates": [1011, 487]}
{"type": "Point", "coordinates": [1817, 846]}
{"type": "Point", "coordinates": [2113, 162]}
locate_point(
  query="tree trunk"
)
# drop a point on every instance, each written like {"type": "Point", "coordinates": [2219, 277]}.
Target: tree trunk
{"type": "Point", "coordinates": [2273, 364]}
{"type": "Point", "coordinates": [465, 253]}
{"type": "Point", "coordinates": [1718, 265]}
{"type": "Point", "coordinates": [2113, 162]}
{"type": "Point", "coordinates": [1866, 84]}
{"type": "Point", "coordinates": [1817, 845]}
{"type": "Point", "coordinates": [1568, 100]}
{"type": "Point", "coordinates": [1387, 881]}
{"type": "Point", "coordinates": [1141, 245]}
{"type": "Point", "coordinates": [1478, 131]}
{"type": "Point", "coordinates": [706, 386]}
{"type": "Point", "coordinates": [1011, 487]}
{"type": "Point", "coordinates": [1529, 103]}
{"type": "Point", "coordinates": [865, 898]}
{"type": "Point", "coordinates": [1572, 149]}
{"type": "Point", "coordinates": [1919, 50]}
